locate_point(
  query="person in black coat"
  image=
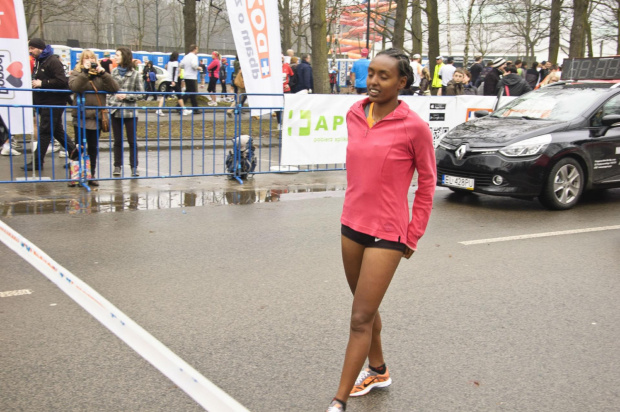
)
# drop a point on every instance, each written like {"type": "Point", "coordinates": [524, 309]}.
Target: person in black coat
{"type": "Point", "coordinates": [491, 80]}
{"type": "Point", "coordinates": [49, 73]}
{"type": "Point", "coordinates": [512, 84]}
{"type": "Point", "coordinates": [304, 75]}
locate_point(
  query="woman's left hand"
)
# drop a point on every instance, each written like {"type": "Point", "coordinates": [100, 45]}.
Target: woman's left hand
{"type": "Point", "coordinates": [408, 252]}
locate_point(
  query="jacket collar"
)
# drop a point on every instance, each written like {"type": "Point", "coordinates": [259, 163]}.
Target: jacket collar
{"type": "Point", "coordinates": [401, 111]}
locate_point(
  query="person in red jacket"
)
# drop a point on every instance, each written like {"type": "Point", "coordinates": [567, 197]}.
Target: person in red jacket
{"type": "Point", "coordinates": [387, 143]}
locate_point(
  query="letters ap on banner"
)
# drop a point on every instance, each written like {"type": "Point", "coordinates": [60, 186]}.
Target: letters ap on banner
{"type": "Point", "coordinates": [14, 68]}
{"type": "Point", "coordinates": [315, 132]}
{"type": "Point", "coordinates": [256, 31]}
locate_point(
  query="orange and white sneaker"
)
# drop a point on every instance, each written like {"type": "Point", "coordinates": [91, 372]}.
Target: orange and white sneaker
{"type": "Point", "coordinates": [369, 379]}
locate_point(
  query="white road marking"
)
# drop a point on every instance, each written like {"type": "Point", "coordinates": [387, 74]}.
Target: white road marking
{"type": "Point", "coordinates": [11, 293]}
{"type": "Point", "coordinates": [536, 235]}
{"type": "Point", "coordinates": [202, 390]}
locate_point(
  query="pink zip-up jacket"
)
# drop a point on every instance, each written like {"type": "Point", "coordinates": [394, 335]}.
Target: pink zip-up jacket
{"type": "Point", "coordinates": [380, 164]}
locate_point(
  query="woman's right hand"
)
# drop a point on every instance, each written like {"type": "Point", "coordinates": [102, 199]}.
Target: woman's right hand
{"type": "Point", "coordinates": [120, 96]}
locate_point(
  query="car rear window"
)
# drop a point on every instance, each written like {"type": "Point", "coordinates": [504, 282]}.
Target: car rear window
{"type": "Point", "coordinates": [561, 104]}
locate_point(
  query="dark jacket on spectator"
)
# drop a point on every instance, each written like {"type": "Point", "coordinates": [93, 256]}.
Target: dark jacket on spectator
{"type": "Point", "coordinates": [532, 77]}
{"type": "Point", "coordinates": [304, 75]}
{"type": "Point", "coordinates": [515, 83]}
{"type": "Point", "coordinates": [455, 89]}
{"type": "Point", "coordinates": [51, 72]}
{"type": "Point", "coordinates": [491, 81]}
{"type": "Point", "coordinates": [475, 71]}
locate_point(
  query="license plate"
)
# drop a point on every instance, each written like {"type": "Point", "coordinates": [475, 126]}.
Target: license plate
{"type": "Point", "coordinates": [460, 182]}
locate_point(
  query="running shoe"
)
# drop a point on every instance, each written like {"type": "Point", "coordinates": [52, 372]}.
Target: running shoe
{"type": "Point", "coordinates": [369, 379]}
{"type": "Point", "coordinates": [335, 406]}
{"type": "Point", "coordinates": [187, 112]}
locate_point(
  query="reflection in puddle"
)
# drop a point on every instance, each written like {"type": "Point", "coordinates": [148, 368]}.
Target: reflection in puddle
{"type": "Point", "coordinates": [101, 202]}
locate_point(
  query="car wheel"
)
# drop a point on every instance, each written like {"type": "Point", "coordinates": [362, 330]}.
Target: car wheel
{"type": "Point", "coordinates": [564, 185]}
{"type": "Point", "coordinates": [162, 87]}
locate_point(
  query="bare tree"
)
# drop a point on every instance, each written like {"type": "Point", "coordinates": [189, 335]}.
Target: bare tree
{"type": "Point", "coordinates": [578, 29]}
{"type": "Point", "coordinates": [416, 27]}
{"type": "Point", "coordinates": [318, 32]}
{"type": "Point", "coordinates": [529, 22]}
{"type": "Point", "coordinates": [398, 39]}
{"type": "Point", "coordinates": [432, 16]}
{"type": "Point", "coordinates": [189, 20]}
{"type": "Point", "coordinates": [554, 30]}
{"type": "Point", "coordinates": [607, 21]}
{"type": "Point", "coordinates": [284, 7]}
{"type": "Point", "coordinates": [41, 12]}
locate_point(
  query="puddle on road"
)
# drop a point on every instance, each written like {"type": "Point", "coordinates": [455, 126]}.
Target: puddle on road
{"type": "Point", "coordinates": [101, 202]}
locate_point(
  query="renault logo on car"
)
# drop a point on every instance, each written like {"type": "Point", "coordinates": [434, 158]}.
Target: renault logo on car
{"type": "Point", "coordinates": [460, 151]}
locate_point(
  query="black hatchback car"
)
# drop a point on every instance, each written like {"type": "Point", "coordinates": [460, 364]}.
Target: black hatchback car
{"type": "Point", "coordinates": [552, 143]}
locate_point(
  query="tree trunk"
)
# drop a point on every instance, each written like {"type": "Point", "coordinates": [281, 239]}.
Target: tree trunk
{"type": "Point", "coordinates": [398, 40]}
{"type": "Point", "coordinates": [554, 36]}
{"type": "Point", "coordinates": [432, 17]}
{"type": "Point", "coordinates": [41, 33]}
{"type": "Point", "coordinates": [189, 19]}
{"type": "Point", "coordinates": [318, 31]}
{"type": "Point", "coordinates": [416, 27]}
{"type": "Point", "coordinates": [589, 39]}
{"type": "Point", "coordinates": [468, 32]}
{"type": "Point", "coordinates": [578, 30]}
{"type": "Point", "coordinates": [618, 35]}
{"type": "Point", "coordinates": [284, 7]}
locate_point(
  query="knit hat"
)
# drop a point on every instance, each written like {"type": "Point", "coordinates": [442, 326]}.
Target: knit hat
{"type": "Point", "coordinates": [37, 43]}
{"type": "Point", "coordinates": [498, 62]}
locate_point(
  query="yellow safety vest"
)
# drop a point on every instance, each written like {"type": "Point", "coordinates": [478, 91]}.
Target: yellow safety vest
{"type": "Point", "coordinates": [436, 79]}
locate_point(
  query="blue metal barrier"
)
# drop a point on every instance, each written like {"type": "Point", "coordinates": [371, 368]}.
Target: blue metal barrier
{"type": "Point", "coordinates": [168, 141]}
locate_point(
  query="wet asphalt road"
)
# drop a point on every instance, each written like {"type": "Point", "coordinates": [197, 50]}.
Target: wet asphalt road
{"type": "Point", "coordinates": [254, 297]}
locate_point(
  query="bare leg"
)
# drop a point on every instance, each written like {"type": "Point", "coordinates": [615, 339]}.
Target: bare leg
{"type": "Point", "coordinates": [369, 272]}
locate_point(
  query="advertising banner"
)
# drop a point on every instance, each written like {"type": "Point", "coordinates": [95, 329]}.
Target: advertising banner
{"type": "Point", "coordinates": [256, 29]}
{"type": "Point", "coordinates": [314, 129]}
{"type": "Point", "coordinates": [14, 67]}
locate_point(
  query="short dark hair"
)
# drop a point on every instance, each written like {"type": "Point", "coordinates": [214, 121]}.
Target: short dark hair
{"type": "Point", "coordinates": [174, 56]}
{"type": "Point", "coordinates": [450, 60]}
{"type": "Point", "coordinates": [192, 47]}
{"type": "Point", "coordinates": [404, 67]}
{"type": "Point", "coordinates": [511, 69]}
{"type": "Point", "coordinates": [305, 56]}
{"type": "Point", "coordinates": [518, 62]}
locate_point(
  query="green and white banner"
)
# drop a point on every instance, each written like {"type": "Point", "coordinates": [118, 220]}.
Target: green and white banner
{"type": "Point", "coordinates": [314, 129]}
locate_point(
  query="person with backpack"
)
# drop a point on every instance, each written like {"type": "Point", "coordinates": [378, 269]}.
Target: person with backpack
{"type": "Point", "coordinates": [149, 75]}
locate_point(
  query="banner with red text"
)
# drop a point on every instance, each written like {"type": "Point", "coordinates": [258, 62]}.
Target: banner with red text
{"type": "Point", "coordinates": [256, 29]}
{"type": "Point", "coordinates": [14, 68]}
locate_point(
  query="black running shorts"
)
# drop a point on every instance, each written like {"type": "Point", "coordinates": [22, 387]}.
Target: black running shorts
{"type": "Point", "coordinates": [371, 241]}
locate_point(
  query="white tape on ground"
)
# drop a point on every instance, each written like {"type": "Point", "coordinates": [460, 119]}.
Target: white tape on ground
{"type": "Point", "coordinates": [535, 235]}
{"type": "Point", "coordinates": [176, 369]}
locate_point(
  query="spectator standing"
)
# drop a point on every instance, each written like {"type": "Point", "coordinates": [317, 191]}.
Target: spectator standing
{"type": "Point", "coordinates": [436, 84]}
{"type": "Point", "coordinates": [106, 62]}
{"type": "Point", "coordinates": [223, 74]}
{"type": "Point", "coordinates": [48, 73]}
{"type": "Point", "coordinates": [544, 69]}
{"type": "Point", "coordinates": [287, 73]}
{"type": "Point", "coordinates": [469, 89]}
{"type": "Point", "coordinates": [445, 74]}
{"type": "Point", "coordinates": [123, 110]}
{"type": "Point", "coordinates": [425, 83]}
{"type": "Point", "coordinates": [416, 67]}
{"type": "Point", "coordinates": [304, 75]}
{"type": "Point", "coordinates": [532, 76]}
{"type": "Point", "coordinates": [475, 69]}
{"type": "Point", "coordinates": [359, 72]}
{"type": "Point", "coordinates": [333, 80]}
{"type": "Point", "coordinates": [149, 79]}
{"type": "Point", "coordinates": [189, 64]}
{"type": "Point", "coordinates": [214, 74]}
{"type": "Point", "coordinates": [203, 72]}
{"type": "Point", "coordinates": [455, 86]}
{"type": "Point", "coordinates": [290, 53]}
{"type": "Point", "coordinates": [236, 69]}
{"type": "Point", "coordinates": [86, 77]}
{"type": "Point", "coordinates": [173, 84]}
{"type": "Point", "coordinates": [491, 80]}
{"type": "Point", "coordinates": [486, 70]}
{"type": "Point", "coordinates": [512, 84]}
